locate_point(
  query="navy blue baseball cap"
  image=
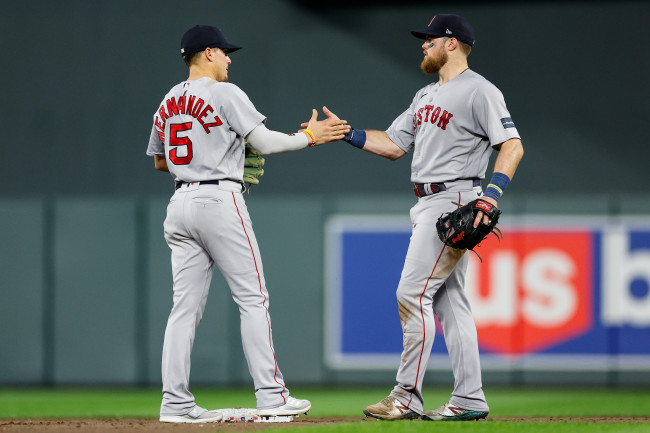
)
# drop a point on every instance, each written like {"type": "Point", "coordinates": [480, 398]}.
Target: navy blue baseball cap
{"type": "Point", "coordinates": [452, 26]}
{"type": "Point", "coordinates": [198, 38]}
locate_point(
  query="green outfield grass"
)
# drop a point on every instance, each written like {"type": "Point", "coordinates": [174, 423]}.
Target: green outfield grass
{"type": "Point", "coordinates": [478, 427]}
{"type": "Point", "coordinates": [349, 402]}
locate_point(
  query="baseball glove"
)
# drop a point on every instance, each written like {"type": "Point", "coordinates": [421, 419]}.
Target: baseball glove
{"type": "Point", "coordinates": [253, 164]}
{"type": "Point", "coordinates": [456, 228]}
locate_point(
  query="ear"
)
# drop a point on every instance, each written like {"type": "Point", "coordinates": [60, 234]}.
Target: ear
{"type": "Point", "coordinates": [207, 53]}
{"type": "Point", "coordinates": [453, 44]}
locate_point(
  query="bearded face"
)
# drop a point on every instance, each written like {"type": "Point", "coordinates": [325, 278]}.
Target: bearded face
{"type": "Point", "coordinates": [431, 65]}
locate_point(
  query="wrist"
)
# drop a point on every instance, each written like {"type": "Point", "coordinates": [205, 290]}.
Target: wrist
{"type": "Point", "coordinates": [497, 186]}
{"type": "Point", "coordinates": [311, 138]}
{"type": "Point", "coordinates": [356, 137]}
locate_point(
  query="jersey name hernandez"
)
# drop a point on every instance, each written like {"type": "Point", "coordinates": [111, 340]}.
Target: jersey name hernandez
{"type": "Point", "coordinates": [186, 104]}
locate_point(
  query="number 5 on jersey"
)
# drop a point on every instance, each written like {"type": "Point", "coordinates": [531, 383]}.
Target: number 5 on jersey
{"type": "Point", "coordinates": [175, 140]}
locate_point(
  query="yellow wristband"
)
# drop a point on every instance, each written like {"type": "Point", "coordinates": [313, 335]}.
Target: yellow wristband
{"type": "Point", "coordinates": [311, 134]}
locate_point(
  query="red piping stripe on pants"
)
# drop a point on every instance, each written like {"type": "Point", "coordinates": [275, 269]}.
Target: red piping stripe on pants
{"type": "Point", "coordinates": [424, 329]}
{"type": "Point", "coordinates": [259, 280]}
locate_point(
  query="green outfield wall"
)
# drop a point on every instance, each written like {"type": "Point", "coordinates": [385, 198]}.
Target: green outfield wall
{"type": "Point", "coordinates": [86, 290]}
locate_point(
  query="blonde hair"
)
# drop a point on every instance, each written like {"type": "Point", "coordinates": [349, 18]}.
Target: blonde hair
{"type": "Point", "coordinates": [465, 48]}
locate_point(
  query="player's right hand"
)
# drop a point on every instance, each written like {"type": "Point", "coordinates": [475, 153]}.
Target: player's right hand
{"type": "Point", "coordinates": [330, 129]}
{"type": "Point", "coordinates": [482, 216]}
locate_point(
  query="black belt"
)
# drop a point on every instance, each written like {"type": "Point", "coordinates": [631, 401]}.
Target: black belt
{"type": "Point", "coordinates": [425, 189]}
{"type": "Point", "coordinates": [209, 182]}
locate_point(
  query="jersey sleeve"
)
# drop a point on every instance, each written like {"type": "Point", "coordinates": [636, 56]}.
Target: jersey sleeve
{"type": "Point", "coordinates": [239, 110]}
{"type": "Point", "coordinates": [401, 131]}
{"type": "Point", "coordinates": [492, 115]}
{"type": "Point", "coordinates": [156, 145]}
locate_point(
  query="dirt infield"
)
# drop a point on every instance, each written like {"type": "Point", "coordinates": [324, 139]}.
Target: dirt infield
{"type": "Point", "coordinates": [148, 425]}
{"type": "Point", "coordinates": [152, 425]}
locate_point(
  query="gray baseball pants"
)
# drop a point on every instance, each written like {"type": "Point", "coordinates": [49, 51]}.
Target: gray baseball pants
{"type": "Point", "coordinates": [432, 282]}
{"type": "Point", "coordinates": [209, 225]}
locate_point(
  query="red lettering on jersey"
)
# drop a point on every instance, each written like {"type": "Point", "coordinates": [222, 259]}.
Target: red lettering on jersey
{"type": "Point", "coordinates": [162, 113]}
{"type": "Point", "coordinates": [181, 104]}
{"type": "Point", "coordinates": [204, 113]}
{"type": "Point", "coordinates": [159, 124]}
{"type": "Point", "coordinates": [190, 103]}
{"type": "Point", "coordinates": [435, 114]}
{"type": "Point", "coordinates": [172, 109]}
{"type": "Point", "coordinates": [197, 108]}
{"type": "Point", "coordinates": [161, 135]}
{"type": "Point", "coordinates": [428, 108]}
{"type": "Point", "coordinates": [207, 126]}
{"type": "Point", "coordinates": [175, 140]}
{"type": "Point", "coordinates": [444, 119]}
{"type": "Point", "coordinates": [432, 115]}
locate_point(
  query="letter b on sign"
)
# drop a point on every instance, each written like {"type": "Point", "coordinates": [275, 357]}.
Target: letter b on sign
{"type": "Point", "coordinates": [626, 277]}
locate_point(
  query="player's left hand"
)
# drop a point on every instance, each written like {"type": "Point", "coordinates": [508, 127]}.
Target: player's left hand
{"type": "Point", "coordinates": [479, 214]}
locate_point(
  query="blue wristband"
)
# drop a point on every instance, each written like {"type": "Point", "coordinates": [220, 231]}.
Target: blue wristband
{"type": "Point", "coordinates": [356, 137]}
{"type": "Point", "coordinates": [497, 186]}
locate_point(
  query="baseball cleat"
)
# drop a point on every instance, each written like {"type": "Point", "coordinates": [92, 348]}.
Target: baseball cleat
{"type": "Point", "coordinates": [390, 409]}
{"type": "Point", "coordinates": [449, 412]}
{"type": "Point", "coordinates": [195, 416]}
{"type": "Point", "coordinates": [293, 406]}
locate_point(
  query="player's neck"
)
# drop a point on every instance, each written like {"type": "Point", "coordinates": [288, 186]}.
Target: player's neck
{"type": "Point", "coordinates": [197, 72]}
{"type": "Point", "coordinates": [451, 70]}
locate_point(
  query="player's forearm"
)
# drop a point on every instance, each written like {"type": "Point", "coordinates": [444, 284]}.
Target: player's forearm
{"type": "Point", "coordinates": [160, 163]}
{"type": "Point", "coordinates": [509, 156]}
{"type": "Point", "coordinates": [379, 143]}
{"type": "Point", "coordinates": [267, 141]}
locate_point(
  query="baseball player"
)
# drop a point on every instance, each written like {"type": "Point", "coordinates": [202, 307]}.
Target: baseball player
{"type": "Point", "coordinates": [198, 136]}
{"type": "Point", "coordinates": [451, 126]}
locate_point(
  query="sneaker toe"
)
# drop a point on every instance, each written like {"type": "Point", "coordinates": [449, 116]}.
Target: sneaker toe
{"type": "Point", "coordinates": [293, 406]}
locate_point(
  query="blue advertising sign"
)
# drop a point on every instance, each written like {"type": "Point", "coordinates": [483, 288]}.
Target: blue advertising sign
{"type": "Point", "coordinates": [551, 295]}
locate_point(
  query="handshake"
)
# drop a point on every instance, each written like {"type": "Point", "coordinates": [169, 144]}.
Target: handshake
{"type": "Point", "coordinates": [324, 131]}
{"type": "Point", "coordinates": [318, 132]}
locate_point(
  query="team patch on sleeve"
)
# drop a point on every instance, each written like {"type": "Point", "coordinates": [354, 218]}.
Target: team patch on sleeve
{"type": "Point", "coordinates": [507, 123]}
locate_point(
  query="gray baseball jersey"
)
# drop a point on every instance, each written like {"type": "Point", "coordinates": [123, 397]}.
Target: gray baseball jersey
{"type": "Point", "coordinates": [452, 129]}
{"type": "Point", "coordinates": [200, 127]}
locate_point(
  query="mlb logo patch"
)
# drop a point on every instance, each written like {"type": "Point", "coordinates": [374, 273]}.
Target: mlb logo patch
{"type": "Point", "coordinates": [507, 122]}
